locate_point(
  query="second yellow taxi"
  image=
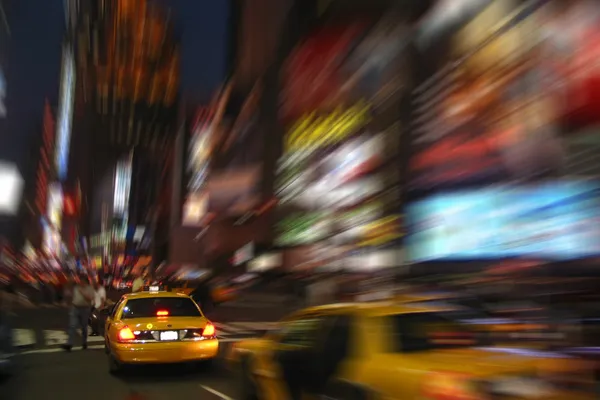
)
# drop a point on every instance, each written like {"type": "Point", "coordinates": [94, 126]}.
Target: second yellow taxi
{"type": "Point", "coordinates": [158, 327]}
{"type": "Point", "coordinates": [396, 351]}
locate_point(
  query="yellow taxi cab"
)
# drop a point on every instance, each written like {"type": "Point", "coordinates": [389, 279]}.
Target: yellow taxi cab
{"type": "Point", "coordinates": [393, 351]}
{"type": "Point", "coordinates": [158, 327]}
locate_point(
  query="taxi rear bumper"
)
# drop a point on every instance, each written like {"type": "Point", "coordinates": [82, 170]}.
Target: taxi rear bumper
{"type": "Point", "coordinates": [165, 352]}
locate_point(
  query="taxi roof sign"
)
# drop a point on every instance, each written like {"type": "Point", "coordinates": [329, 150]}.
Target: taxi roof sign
{"type": "Point", "coordinates": [154, 289]}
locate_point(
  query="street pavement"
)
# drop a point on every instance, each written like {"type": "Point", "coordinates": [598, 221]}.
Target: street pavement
{"type": "Point", "coordinates": [84, 374]}
{"type": "Point", "coordinates": [44, 371]}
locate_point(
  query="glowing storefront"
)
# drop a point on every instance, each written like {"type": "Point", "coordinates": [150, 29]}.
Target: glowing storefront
{"type": "Point", "coordinates": [52, 224]}
{"type": "Point", "coordinates": [338, 179]}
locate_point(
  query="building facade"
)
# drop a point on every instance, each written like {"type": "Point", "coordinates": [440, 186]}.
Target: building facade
{"type": "Point", "coordinates": [124, 126]}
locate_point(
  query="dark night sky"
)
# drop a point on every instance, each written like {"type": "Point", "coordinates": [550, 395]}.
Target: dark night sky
{"type": "Point", "coordinates": [33, 68]}
{"type": "Point", "coordinates": [34, 58]}
{"type": "Point", "coordinates": [204, 30]}
{"type": "Point", "coordinates": [32, 64]}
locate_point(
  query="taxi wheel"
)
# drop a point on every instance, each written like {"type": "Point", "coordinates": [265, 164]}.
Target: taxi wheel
{"type": "Point", "coordinates": [344, 391]}
{"type": "Point", "coordinates": [248, 390]}
{"type": "Point", "coordinates": [114, 366]}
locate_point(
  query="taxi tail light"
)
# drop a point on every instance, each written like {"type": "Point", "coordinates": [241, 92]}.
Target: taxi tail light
{"type": "Point", "coordinates": [162, 313]}
{"type": "Point", "coordinates": [126, 334]}
{"type": "Point", "coordinates": [451, 386]}
{"type": "Point", "coordinates": [209, 330]}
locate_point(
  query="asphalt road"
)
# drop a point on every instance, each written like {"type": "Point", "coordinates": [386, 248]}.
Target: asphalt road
{"type": "Point", "coordinates": [84, 375]}
{"type": "Point", "coordinates": [44, 371]}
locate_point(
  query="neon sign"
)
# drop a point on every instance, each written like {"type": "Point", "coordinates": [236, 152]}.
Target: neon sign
{"type": "Point", "coordinates": [315, 131]}
{"type": "Point", "coordinates": [65, 114]}
{"type": "Point", "coordinates": [122, 188]}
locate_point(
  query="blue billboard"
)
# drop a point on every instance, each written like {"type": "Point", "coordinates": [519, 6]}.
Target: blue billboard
{"type": "Point", "coordinates": [554, 221]}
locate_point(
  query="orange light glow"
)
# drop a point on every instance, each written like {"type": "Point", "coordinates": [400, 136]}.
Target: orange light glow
{"type": "Point", "coordinates": [162, 313]}
{"type": "Point", "coordinates": [126, 334]}
{"type": "Point", "coordinates": [209, 330]}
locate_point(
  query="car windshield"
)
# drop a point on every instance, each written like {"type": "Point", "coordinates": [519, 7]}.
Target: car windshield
{"type": "Point", "coordinates": [430, 331]}
{"type": "Point", "coordinates": [149, 307]}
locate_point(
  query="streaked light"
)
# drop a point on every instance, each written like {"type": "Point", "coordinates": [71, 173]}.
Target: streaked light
{"type": "Point", "coordinates": [65, 116]}
{"type": "Point", "coordinates": [11, 187]}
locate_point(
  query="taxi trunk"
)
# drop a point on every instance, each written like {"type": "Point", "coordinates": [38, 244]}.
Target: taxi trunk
{"type": "Point", "coordinates": [167, 340]}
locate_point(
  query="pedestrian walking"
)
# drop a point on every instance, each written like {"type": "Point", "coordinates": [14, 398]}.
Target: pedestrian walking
{"type": "Point", "coordinates": [99, 304]}
{"type": "Point", "coordinates": [81, 303]}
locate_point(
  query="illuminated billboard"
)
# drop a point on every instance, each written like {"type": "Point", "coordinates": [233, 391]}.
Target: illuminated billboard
{"type": "Point", "coordinates": [55, 205]}
{"type": "Point", "coordinates": [195, 209]}
{"type": "Point", "coordinates": [234, 192]}
{"type": "Point", "coordinates": [552, 221]}
{"type": "Point", "coordinates": [65, 115]}
{"type": "Point", "coordinates": [122, 188]}
{"type": "Point", "coordinates": [11, 183]}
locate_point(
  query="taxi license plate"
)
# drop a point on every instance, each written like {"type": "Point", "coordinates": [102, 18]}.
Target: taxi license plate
{"type": "Point", "coordinates": [169, 335]}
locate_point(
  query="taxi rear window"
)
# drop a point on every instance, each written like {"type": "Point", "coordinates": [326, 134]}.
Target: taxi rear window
{"type": "Point", "coordinates": [149, 307]}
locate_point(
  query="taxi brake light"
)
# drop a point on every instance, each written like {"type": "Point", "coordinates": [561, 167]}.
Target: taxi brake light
{"type": "Point", "coordinates": [126, 334]}
{"type": "Point", "coordinates": [449, 386]}
{"type": "Point", "coordinates": [162, 313]}
{"type": "Point", "coordinates": [209, 330]}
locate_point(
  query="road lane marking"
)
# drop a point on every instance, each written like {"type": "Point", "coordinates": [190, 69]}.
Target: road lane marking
{"type": "Point", "coordinates": [23, 337]}
{"type": "Point", "coordinates": [216, 392]}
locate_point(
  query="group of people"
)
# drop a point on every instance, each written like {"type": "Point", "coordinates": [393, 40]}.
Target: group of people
{"type": "Point", "coordinates": [86, 299]}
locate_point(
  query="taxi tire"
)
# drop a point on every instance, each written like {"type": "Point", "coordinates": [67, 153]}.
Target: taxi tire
{"type": "Point", "coordinates": [344, 391]}
{"type": "Point", "coordinates": [248, 389]}
{"type": "Point", "coordinates": [114, 366]}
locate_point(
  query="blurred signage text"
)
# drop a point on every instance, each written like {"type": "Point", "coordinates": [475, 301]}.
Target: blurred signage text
{"type": "Point", "coordinates": [315, 131]}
